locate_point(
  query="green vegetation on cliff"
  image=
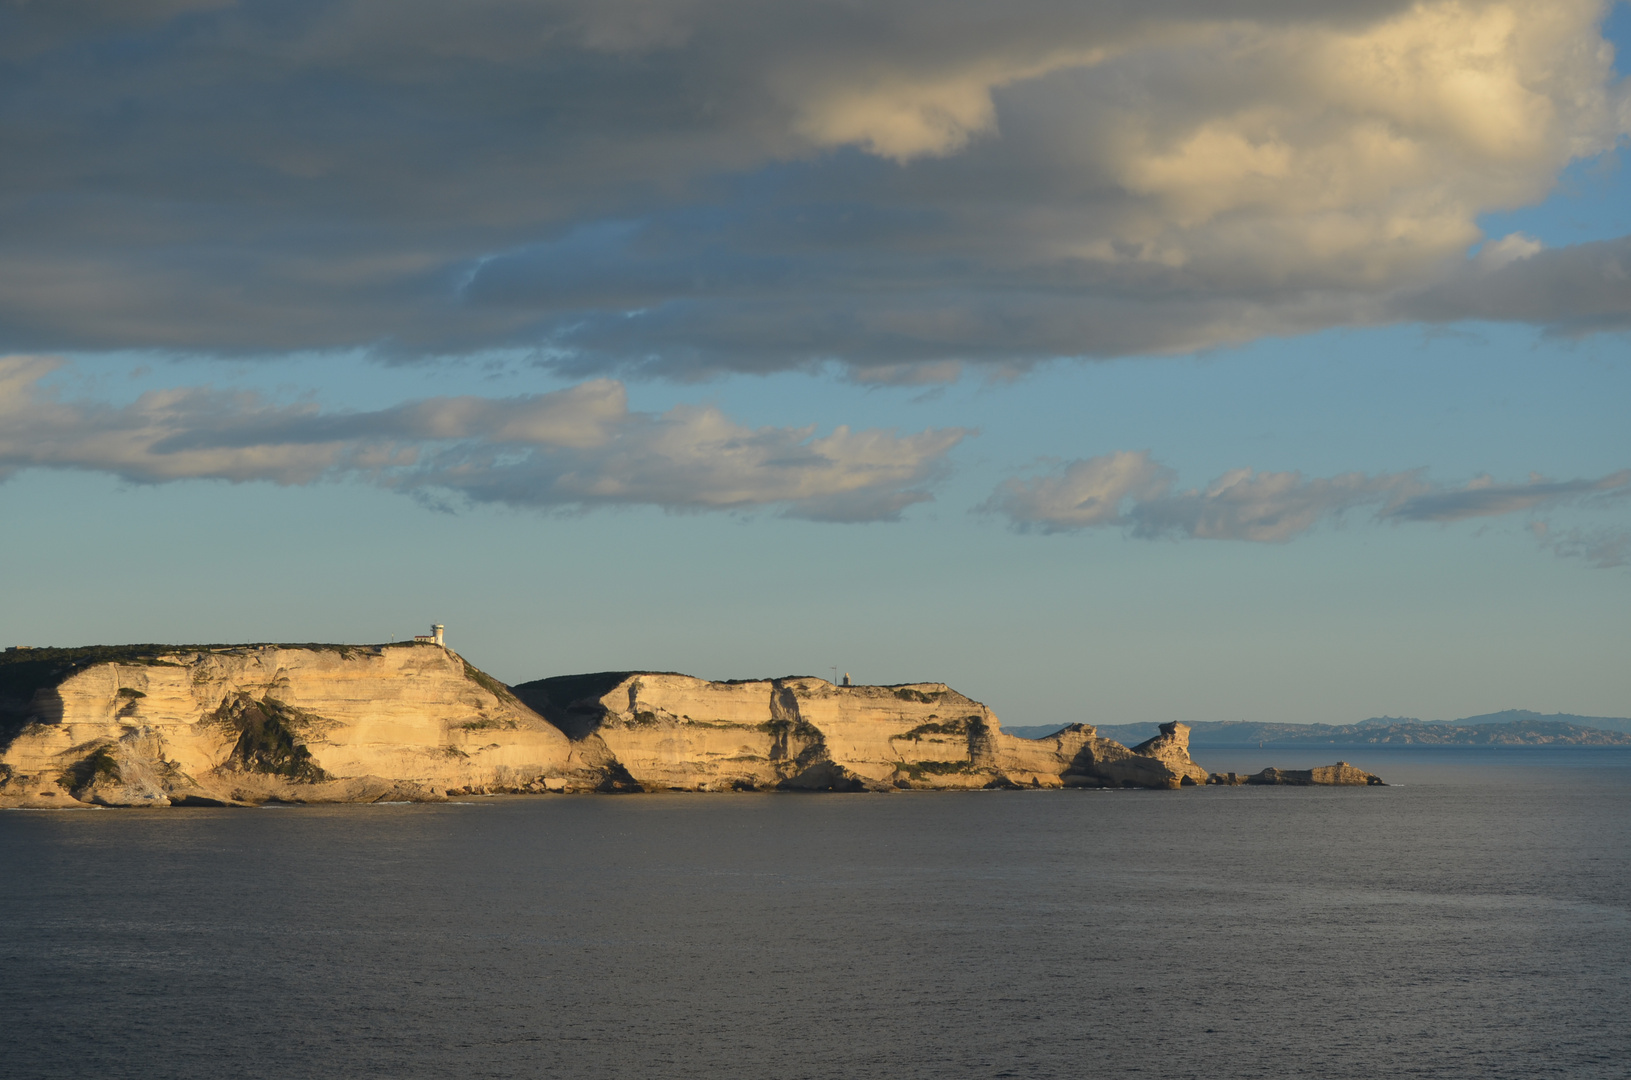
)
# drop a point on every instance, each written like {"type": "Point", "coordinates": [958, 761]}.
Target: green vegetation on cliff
{"type": "Point", "coordinates": [268, 737]}
{"type": "Point", "coordinates": [99, 764]}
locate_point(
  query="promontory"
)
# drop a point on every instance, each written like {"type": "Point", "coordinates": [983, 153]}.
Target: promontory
{"type": "Point", "coordinates": [246, 724]}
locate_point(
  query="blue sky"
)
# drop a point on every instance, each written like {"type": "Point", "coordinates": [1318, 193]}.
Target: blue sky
{"type": "Point", "coordinates": [887, 383]}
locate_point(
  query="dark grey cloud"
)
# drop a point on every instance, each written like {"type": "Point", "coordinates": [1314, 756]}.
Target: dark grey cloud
{"type": "Point", "coordinates": [690, 186]}
{"type": "Point", "coordinates": [1577, 289]}
{"type": "Point", "coordinates": [575, 449]}
{"type": "Point", "coordinates": [1131, 491]}
{"type": "Point", "coordinates": [1484, 497]}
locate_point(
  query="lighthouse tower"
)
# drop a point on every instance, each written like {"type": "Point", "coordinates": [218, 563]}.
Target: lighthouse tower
{"type": "Point", "coordinates": [432, 638]}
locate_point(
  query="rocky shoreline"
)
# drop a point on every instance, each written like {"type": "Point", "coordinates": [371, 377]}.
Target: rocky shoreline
{"type": "Point", "coordinates": [247, 725]}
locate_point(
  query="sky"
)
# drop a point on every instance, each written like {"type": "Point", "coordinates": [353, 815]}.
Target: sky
{"type": "Point", "coordinates": [1109, 362]}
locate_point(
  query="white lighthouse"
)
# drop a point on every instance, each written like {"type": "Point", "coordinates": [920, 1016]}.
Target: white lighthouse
{"type": "Point", "coordinates": [432, 638]}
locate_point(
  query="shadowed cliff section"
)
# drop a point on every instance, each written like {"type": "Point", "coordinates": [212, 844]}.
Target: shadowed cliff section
{"type": "Point", "coordinates": [28, 675]}
{"type": "Point", "coordinates": [567, 701]}
{"type": "Point", "coordinates": [271, 738]}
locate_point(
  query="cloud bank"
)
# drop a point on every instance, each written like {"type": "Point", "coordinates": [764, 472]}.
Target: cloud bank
{"type": "Point", "coordinates": [583, 447]}
{"type": "Point", "coordinates": [573, 449]}
{"type": "Point", "coordinates": [1131, 491]}
{"type": "Point", "coordinates": [690, 186]}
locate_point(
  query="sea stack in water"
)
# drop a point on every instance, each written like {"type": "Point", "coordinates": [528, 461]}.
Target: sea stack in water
{"type": "Point", "coordinates": [1340, 774]}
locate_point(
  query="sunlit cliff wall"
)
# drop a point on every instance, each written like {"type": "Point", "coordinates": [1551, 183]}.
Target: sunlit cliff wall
{"type": "Point", "coordinates": [365, 723]}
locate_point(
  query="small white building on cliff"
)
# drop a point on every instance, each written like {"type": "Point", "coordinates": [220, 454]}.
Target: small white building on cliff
{"type": "Point", "coordinates": [432, 638]}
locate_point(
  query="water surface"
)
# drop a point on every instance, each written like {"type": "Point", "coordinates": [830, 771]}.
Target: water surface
{"type": "Point", "coordinates": [1471, 922]}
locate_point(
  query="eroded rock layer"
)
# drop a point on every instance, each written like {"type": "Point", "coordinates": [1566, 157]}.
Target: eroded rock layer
{"type": "Point", "coordinates": [676, 732]}
{"type": "Point", "coordinates": [230, 725]}
{"type": "Point", "coordinates": [310, 724]}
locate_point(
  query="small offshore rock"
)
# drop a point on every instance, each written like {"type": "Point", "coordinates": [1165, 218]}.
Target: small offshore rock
{"type": "Point", "coordinates": [1341, 774]}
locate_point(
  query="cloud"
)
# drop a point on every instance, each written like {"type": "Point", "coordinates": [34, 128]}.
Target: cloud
{"type": "Point", "coordinates": [695, 186]}
{"type": "Point", "coordinates": [1602, 548]}
{"type": "Point", "coordinates": [1570, 290]}
{"type": "Point", "coordinates": [1483, 497]}
{"type": "Point", "coordinates": [1083, 494]}
{"type": "Point", "coordinates": [1129, 490]}
{"type": "Point", "coordinates": [693, 458]}
{"type": "Point", "coordinates": [1264, 507]}
{"type": "Point", "coordinates": [576, 448]}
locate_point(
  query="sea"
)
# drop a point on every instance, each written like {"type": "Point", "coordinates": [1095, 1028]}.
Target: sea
{"type": "Point", "coordinates": [1471, 919]}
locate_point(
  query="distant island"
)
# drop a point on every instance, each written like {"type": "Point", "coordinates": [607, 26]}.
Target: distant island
{"type": "Point", "coordinates": [1513, 727]}
{"type": "Point", "coordinates": [220, 725]}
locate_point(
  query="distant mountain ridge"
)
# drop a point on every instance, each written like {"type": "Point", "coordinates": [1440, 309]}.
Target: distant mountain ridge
{"type": "Point", "coordinates": [1511, 727]}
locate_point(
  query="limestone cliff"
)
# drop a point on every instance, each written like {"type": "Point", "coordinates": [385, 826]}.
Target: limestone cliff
{"type": "Point", "coordinates": [153, 726]}
{"type": "Point", "coordinates": [672, 731]}
{"type": "Point", "coordinates": [255, 723]}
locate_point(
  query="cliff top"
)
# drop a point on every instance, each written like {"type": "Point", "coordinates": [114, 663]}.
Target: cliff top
{"type": "Point", "coordinates": [23, 671]}
{"type": "Point", "coordinates": [565, 689]}
{"type": "Point", "coordinates": [560, 691]}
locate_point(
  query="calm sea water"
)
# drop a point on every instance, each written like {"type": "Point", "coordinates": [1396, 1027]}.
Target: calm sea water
{"type": "Point", "coordinates": [1470, 922]}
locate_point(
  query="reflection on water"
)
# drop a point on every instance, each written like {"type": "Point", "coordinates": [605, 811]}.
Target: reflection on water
{"type": "Point", "coordinates": [1472, 922]}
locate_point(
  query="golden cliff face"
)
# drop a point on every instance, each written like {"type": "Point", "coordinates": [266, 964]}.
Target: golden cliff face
{"type": "Point", "coordinates": [365, 723]}
{"type": "Point", "coordinates": [673, 731]}
{"type": "Point", "coordinates": [676, 732]}
{"type": "Point", "coordinates": [251, 724]}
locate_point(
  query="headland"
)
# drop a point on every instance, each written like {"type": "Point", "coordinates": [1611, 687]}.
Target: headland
{"type": "Point", "coordinates": [151, 725]}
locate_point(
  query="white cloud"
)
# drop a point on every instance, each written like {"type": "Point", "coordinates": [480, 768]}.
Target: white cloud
{"type": "Point", "coordinates": [579, 447]}
{"type": "Point", "coordinates": [1507, 250]}
{"type": "Point", "coordinates": [696, 458]}
{"type": "Point", "coordinates": [1083, 494]}
{"type": "Point", "coordinates": [893, 111]}
{"type": "Point", "coordinates": [1130, 490]}
{"type": "Point", "coordinates": [1263, 507]}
